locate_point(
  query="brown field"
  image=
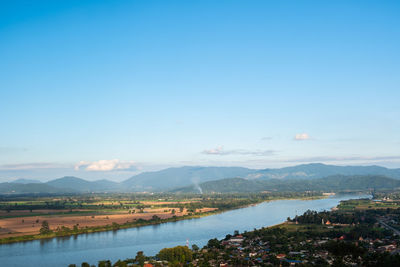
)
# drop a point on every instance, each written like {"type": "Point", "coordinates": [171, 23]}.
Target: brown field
{"type": "Point", "coordinates": [166, 202]}
{"type": "Point", "coordinates": [27, 212]}
{"type": "Point", "coordinates": [31, 225]}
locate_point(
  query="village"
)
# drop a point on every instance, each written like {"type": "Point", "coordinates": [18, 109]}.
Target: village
{"type": "Point", "coordinates": [285, 248]}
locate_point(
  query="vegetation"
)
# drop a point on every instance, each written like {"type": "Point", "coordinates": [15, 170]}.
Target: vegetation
{"type": "Point", "coordinates": [174, 206]}
{"type": "Point", "coordinates": [337, 238]}
{"type": "Point", "coordinates": [176, 256]}
{"type": "Point", "coordinates": [335, 183]}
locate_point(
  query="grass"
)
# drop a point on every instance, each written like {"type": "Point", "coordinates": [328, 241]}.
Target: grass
{"type": "Point", "coordinates": [364, 204]}
{"type": "Point", "coordinates": [86, 230]}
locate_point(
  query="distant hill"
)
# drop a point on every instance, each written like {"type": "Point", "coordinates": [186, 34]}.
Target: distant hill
{"type": "Point", "coordinates": [319, 170]}
{"type": "Point", "coordinates": [67, 184]}
{"type": "Point", "coordinates": [34, 188]}
{"type": "Point", "coordinates": [70, 183]}
{"type": "Point", "coordinates": [26, 181]}
{"type": "Point", "coordinates": [332, 183]}
{"type": "Point", "coordinates": [177, 177]}
{"type": "Point", "coordinates": [191, 176]}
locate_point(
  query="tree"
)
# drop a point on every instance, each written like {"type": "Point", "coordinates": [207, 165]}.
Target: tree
{"type": "Point", "coordinates": [179, 254]}
{"type": "Point", "coordinates": [195, 247]}
{"type": "Point", "coordinates": [115, 226]}
{"type": "Point", "coordinates": [213, 243]}
{"type": "Point", "coordinates": [104, 263]}
{"type": "Point", "coordinates": [120, 263]}
{"type": "Point", "coordinates": [45, 229]}
{"type": "Point", "coordinates": [85, 264]}
{"type": "Point", "coordinates": [140, 257]}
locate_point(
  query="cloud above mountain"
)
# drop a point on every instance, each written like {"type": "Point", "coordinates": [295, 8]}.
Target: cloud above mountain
{"type": "Point", "coordinates": [301, 137]}
{"type": "Point", "coordinates": [219, 150]}
{"type": "Point", "coordinates": [106, 165]}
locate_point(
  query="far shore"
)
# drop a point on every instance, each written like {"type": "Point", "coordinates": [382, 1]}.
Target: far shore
{"type": "Point", "coordinates": [106, 222]}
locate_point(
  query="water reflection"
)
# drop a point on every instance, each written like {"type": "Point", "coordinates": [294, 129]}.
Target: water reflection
{"type": "Point", "coordinates": [45, 241]}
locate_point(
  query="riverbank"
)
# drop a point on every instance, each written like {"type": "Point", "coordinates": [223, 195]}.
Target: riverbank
{"type": "Point", "coordinates": [65, 231]}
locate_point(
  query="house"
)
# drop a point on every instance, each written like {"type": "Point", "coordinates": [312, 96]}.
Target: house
{"type": "Point", "coordinates": [280, 256]}
{"type": "Point", "coordinates": [293, 262]}
{"type": "Point", "coordinates": [236, 239]}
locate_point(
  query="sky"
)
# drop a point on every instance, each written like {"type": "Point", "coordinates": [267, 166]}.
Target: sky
{"type": "Point", "coordinates": [108, 89]}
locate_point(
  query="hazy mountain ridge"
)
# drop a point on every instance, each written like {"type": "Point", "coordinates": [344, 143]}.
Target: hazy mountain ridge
{"type": "Point", "coordinates": [30, 188]}
{"type": "Point", "coordinates": [328, 184]}
{"type": "Point", "coordinates": [319, 170]}
{"type": "Point", "coordinates": [185, 177]}
{"type": "Point", "coordinates": [75, 184]}
{"type": "Point", "coordinates": [175, 177]}
{"type": "Point", "coordinates": [26, 181]}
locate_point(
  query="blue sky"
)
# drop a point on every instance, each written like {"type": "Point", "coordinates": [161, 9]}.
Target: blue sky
{"type": "Point", "coordinates": [106, 89]}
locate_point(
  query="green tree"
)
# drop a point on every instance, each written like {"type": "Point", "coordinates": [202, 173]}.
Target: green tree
{"type": "Point", "coordinates": [120, 263]}
{"type": "Point", "coordinates": [140, 257]}
{"type": "Point", "coordinates": [179, 254]}
{"type": "Point", "coordinates": [155, 218]}
{"type": "Point", "coordinates": [104, 263]}
{"type": "Point", "coordinates": [45, 229]}
{"type": "Point", "coordinates": [115, 226]}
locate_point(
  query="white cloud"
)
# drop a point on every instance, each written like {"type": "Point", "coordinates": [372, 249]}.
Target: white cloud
{"type": "Point", "coordinates": [105, 165]}
{"type": "Point", "coordinates": [301, 137]}
{"type": "Point", "coordinates": [214, 151]}
{"type": "Point", "coordinates": [219, 150]}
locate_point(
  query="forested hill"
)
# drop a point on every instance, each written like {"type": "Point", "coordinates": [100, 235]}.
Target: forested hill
{"type": "Point", "coordinates": [319, 170]}
{"type": "Point", "coordinates": [329, 184]}
{"type": "Point", "coordinates": [171, 178]}
{"type": "Point", "coordinates": [188, 177]}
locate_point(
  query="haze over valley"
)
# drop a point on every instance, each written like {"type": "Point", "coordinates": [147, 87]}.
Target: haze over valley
{"type": "Point", "coordinates": [306, 177]}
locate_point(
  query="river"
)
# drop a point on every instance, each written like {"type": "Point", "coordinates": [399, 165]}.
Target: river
{"type": "Point", "coordinates": [125, 243]}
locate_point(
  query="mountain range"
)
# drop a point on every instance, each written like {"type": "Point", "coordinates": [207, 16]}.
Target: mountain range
{"type": "Point", "coordinates": [184, 178]}
{"type": "Point", "coordinates": [333, 183]}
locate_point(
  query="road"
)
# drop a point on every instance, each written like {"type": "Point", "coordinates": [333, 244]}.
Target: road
{"type": "Point", "coordinates": [395, 231]}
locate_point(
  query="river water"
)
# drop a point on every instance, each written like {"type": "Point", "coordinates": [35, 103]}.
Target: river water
{"type": "Point", "coordinates": [122, 244]}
